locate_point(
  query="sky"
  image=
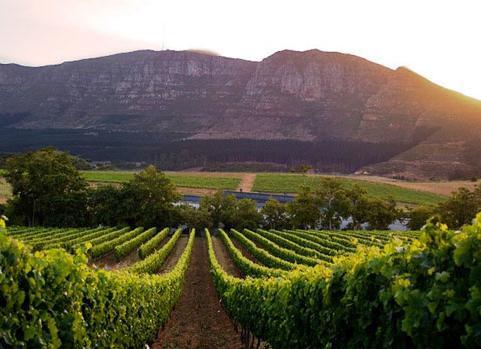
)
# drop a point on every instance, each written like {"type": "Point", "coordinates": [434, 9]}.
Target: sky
{"type": "Point", "coordinates": [438, 39]}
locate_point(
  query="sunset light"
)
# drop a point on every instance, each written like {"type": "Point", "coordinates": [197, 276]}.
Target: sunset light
{"type": "Point", "coordinates": [247, 174]}
{"type": "Point", "coordinates": [437, 39]}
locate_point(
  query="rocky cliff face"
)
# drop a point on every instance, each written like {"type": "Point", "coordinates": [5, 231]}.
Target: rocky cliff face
{"type": "Point", "coordinates": [133, 91]}
{"type": "Point", "coordinates": [310, 95]}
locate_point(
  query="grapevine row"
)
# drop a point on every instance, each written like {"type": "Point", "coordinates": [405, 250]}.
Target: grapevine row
{"type": "Point", "coordinates": [262, 255]}
{"type": "Point", "coordinates": [278, 251]}
{"type": "Point", "coordinates": [372, 298]}
{"type": "Point", "coordinates": [306, 242]}
{"type": "Point", "coordinates": [148, 247]}
{"type": "Point", "coordinates": [86, 308]}
{"type": "Point", "coordinates": [286, 243]}
{"type": "Point", "coordinates": [130, 245]}
{"type": "Point", "coordinates": [246, 266]}
{"type": "Point", "coordinates": [103, 237]}
{"type": "Point", "coordinates": [103, 248]}
{"type": "Point", "coordinates": [154, 261]}
{"type": "Point", "coordinates": [84, 238]}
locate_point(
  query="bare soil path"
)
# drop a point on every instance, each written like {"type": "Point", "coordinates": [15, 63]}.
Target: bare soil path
{"type": "Point", "coordinates": [244, 251]}
{"type": "Point", "coordinates": [174, 255]}
{"type": "Point", "coordinates": [247, 182]}
{"type": "Point", "coordinates": [224, 258]}
{"type": "Point", "coordinates": [198, 320]}
{"type": "Point", "coordinates": [110, 262]}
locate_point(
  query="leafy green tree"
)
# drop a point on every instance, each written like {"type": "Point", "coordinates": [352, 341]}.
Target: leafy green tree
{"type": "Point", "coordinates": [247, 216]}
{"type": "Point", "coordinates": [303, 210]}
{"type": "Point", "coordinates": [148, 199]}
{"type": "Point", "coordinates": [3, 160]}
{"type": "Point", "coordinates": [302, 168]}
{"type": "Point", "coordinates": [47, 189]}
{"type": "Point", "coordinates": [333, 203]}
{"type": "Point", "coordinates": [460, 208]}
{"type": "Point", "coordinates": [417, 217]}
{"type": "Point", "coordinates": [221, 208]}
{"type": "Point", "coordinates": [358, 206]}
{"type": "Point", "coordinates": [227, 212]}
{"type": "Point", "coordinates": [81, 164]}
{"type": "Point", "coordinates": [195, 218]}
{"type": "Point", "coordinates": [275, 215]}
{"type": "Point", "coordinates": [106, 205]}
{"type": "Point", "coordinates": [381, 213]}
{"type": "Point", "coordinates": [477, 196]}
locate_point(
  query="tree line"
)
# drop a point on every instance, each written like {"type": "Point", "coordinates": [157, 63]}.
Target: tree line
{"type": "Point", "coordinates": [458, 210]}
{"type": "Point", "coordinates": [48, 190]}
{"type": "Point", "coordinates": [174, 151]}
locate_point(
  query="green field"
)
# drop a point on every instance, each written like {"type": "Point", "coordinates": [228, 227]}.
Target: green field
{"type": "Point", "coordinates": [179, 179]}
{"type": "Point", "coordinates": [4, 188]}
{"type": "Point", "coordinates": [290, 183]}
{"type": "Point", "coordinates": [265, 182]}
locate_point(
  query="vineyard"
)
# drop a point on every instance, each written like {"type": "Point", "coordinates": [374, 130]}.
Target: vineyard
{"type": "Point", "coordinates": [169, 288]}
{"type": "Point", "coordinates": [184, 180]}
{"type": "Point", "coordinates": [274, 183]}
{"type": "Point", "coordinates": [291, 183]}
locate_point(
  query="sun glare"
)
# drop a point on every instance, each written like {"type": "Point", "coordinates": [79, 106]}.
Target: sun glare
{"type": "Point", "coordinates": [436, 39]}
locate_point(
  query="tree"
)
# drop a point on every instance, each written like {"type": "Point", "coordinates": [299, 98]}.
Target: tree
{"type": "Point", "coordinates": [227, 212]}
{"type": "Point", "coordinates": [221, 209]}
{"type": "Point", "coordinates": [105, 206]}
{"type": "Point", "coordinates": [247, 216]}
{"type": "Point", "coordinates": [148, 199]}
{"type": "Point", "coordinates": [358, 206]}
{"type": "Point", "coordinates": [418, 216]}
{"type": "Point", "coordinates": [381, 213]}
{"type": "Point", "coordinates": [302, 168]}
{"type": "Point", "coordinates": [461, 207]}
{"type": "Point", "coordinates": [303, 210]}
{"type": "Point", "coordinates": [477, 196]}
{"type": "Point", "coordinates": [81, 164]}
{"type": "Point", "coordinates": [198, 219]}
{"type": "Point", "coordinates": [333, 203]}
{"type": "Point", "coordinates": [275, 215]}
{"type": "Point", "coordinates": [47, 189]}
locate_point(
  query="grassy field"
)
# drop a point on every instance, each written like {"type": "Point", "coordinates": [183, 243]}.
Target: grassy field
{"type": "Point", "coordinates": [202, 183]}
{"type": "Point", "coordinates": [290, 183]}
{"type": "Point", "coordinates": [185, 180]}
{"type": "Point", "coordinates": [5, 191]}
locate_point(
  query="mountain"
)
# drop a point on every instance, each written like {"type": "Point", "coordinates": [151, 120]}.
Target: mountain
{"type": "Point", "coordinates": [310, 96]}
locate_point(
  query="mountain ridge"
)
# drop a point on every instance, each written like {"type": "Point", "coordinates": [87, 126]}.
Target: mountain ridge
{"type": "Point", "coordinates": [308, 95]}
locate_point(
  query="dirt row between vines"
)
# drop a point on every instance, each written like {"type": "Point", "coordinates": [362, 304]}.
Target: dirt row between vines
{"type": "Point", "coordinates": [224, 258]}
{"type": "Point", "coordinates": [244, 251]}
{"type": "Point", "coordinates": [174, 255]}
{"type": "Point", "coordinates": [110, 262]}
{"type": "Point", "coordinates": [198, 319]}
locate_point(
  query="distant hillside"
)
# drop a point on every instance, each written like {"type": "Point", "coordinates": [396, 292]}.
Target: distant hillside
{"type": "Point", "coordinates": [414, 127]}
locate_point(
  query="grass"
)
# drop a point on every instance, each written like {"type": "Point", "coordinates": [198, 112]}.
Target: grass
{"type": "Point", "coordinates": [179, 179]}
{"type": "Point", "coordinates": [5, 191]}
{"type": "Point", "coordinates": [265, 182]}
{"type": "Point", "coordinates": [290, 183]}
